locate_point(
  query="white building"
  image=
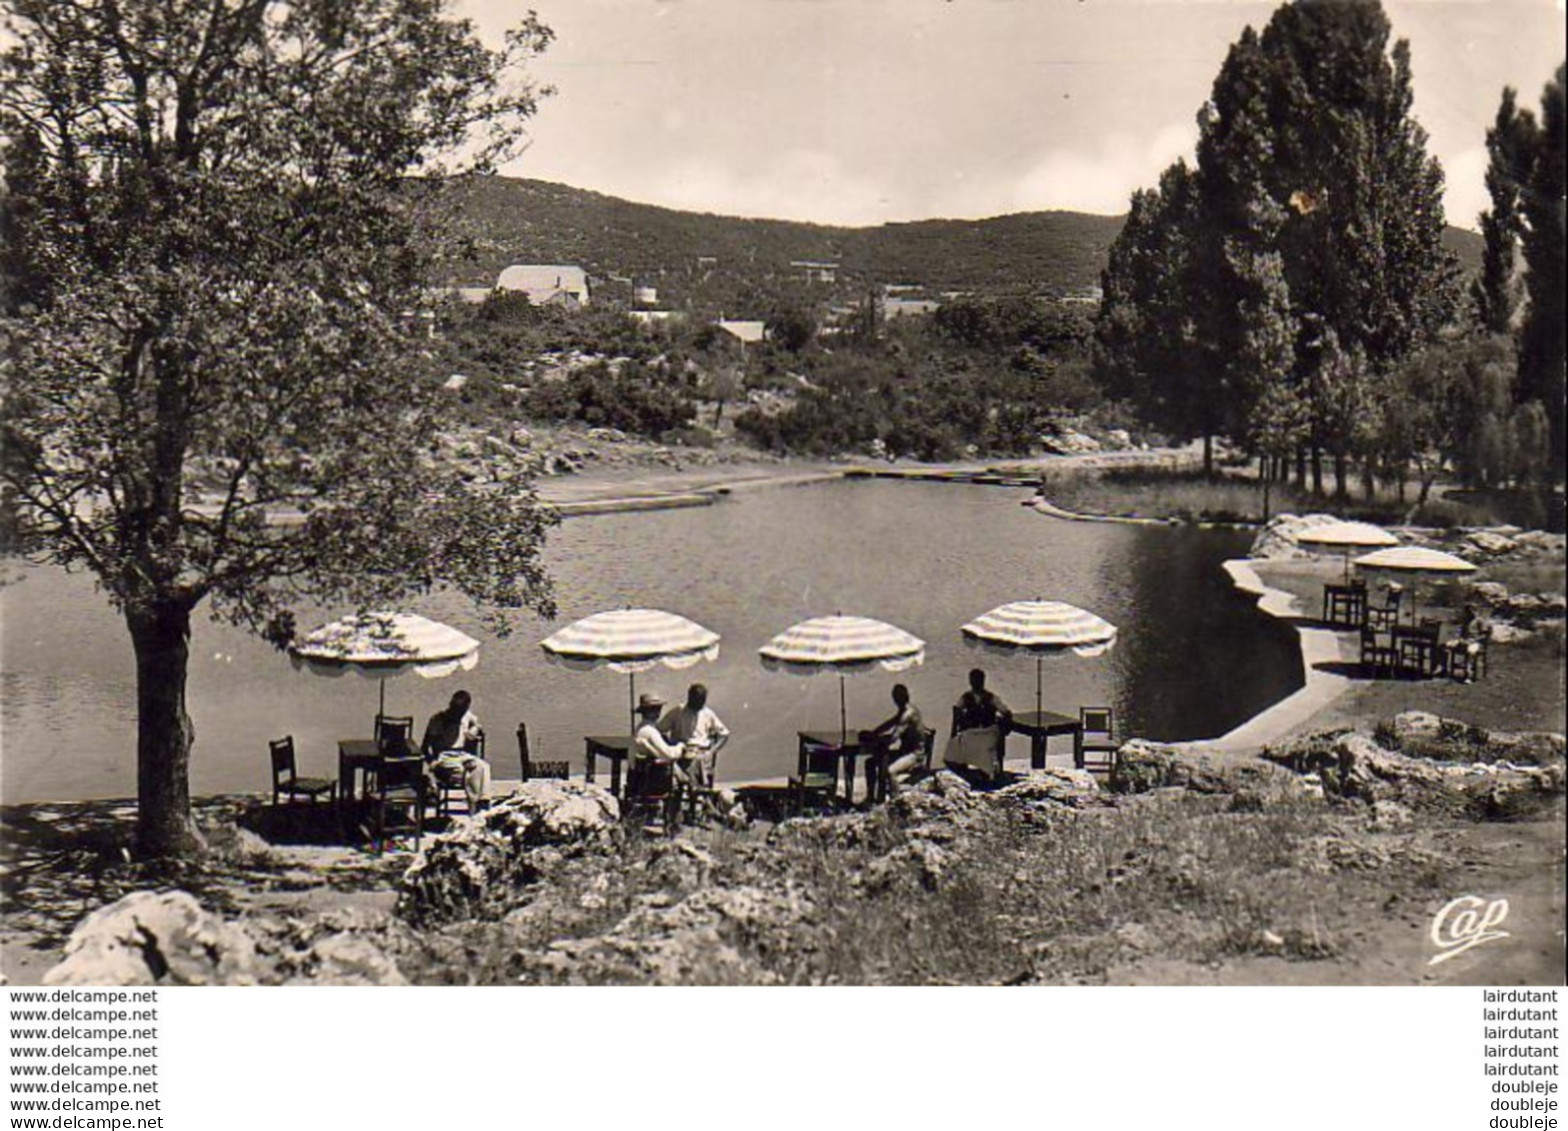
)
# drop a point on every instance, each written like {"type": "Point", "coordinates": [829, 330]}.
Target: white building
{"type": "Point", "coordinates": [546, 284]}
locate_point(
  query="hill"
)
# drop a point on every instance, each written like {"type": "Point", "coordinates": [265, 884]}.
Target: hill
{"type": "Point", "coordinates": [512, 220]}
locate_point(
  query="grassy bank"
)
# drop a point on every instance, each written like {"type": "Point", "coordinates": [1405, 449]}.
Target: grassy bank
{"type": "Point", "coordinates": [1238, 496]}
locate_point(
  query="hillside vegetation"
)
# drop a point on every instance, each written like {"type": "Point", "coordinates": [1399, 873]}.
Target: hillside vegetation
{"type": "Point", "coordinates": [513, 220]}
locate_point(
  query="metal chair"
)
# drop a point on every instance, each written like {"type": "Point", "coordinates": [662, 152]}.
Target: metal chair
{"type": "Point", "coordinates": [286, 781]}
{"type": "Point", "coordinates": [1383, 618]}
{"type": "Point", "coordinates": [1098, 745]}
{"type": "Point", "coordinates": [532, 769]}
{"type": "Point", "coordinates": [816, 776]}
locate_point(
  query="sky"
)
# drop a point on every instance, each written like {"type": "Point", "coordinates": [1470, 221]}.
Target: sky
{"type": "Point", "coordinates": [862, 112]}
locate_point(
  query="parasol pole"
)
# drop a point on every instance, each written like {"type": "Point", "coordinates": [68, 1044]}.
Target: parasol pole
{"type": "Point", "coordinates": [1039, 665]}
{"type": "Point", "coordinates": [843, 717]}
{"type": "Point", "coordinates": [631, 698]}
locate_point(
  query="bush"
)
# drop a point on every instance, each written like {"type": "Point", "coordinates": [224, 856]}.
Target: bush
{"type": "Point", "coordinates": [633, 400]}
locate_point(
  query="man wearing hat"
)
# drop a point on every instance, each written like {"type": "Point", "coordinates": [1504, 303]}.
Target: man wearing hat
{"type": "Point", "coordinates": [648, 742]}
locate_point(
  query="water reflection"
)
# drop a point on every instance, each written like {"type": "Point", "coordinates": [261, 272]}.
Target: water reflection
{"type": "Point", "coordinates": [1193, 658]}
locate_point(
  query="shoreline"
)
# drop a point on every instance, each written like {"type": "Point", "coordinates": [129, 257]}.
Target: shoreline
{"type": "Point", "coordinates": [648, 489]}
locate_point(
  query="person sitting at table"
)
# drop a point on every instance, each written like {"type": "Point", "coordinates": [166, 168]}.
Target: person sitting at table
{"type": "Point", "coordinates": [979, 706]}
{"type": "Point", "coordinates": [699, 731]}
{"type": "Point", "coordinates": [1475, 629]}
{"type": "Point", "coordinates": [649, 743]}
{"type": "Point", "coordinates": [446, 747]}
{"type": "Point", "coordinates": [903, 736]}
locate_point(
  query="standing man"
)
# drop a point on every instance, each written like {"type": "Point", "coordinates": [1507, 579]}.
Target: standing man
{"type": "Point", "coordinates": [700, 731]}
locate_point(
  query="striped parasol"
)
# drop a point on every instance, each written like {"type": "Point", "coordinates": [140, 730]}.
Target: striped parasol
{"type": "Point", "coordinates": [1414, 560]}
{"type": "Point", "coordinates": [631, 641]}
{"type": "Point", "coordinates": [1346, 536]}
{"type": "Point", "coordinates": [844, 646]}
{"type": "Point", "coordinates": [382, 645]}
{"type": "Point", "coordinates": [1043, 628]}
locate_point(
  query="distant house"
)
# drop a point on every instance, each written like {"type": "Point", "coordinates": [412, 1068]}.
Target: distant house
{"type": "Point", "coordinates": [647, 318]}
{"type": "Point", "coordinates": [645, 295]}
{"type": "Point", "coordinates": [815, 271]}
{"type": "Point", "coordinates": [905, 307]}
{"type": "Point", "coordinates": [546, 284]}
{"type": "Point", "coordinates": [746, 333]}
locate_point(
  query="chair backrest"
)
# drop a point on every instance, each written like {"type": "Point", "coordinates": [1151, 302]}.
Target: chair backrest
{"type": "Point", "coordinates": [523, 752]}
{"type": "Point", "coordinates": [395, 734]}
{"type": "Point", "coordinates": [820, 759]}
{"type": "Point", "coordinates": [928, 747]}
{"type": "Point", "coordinates": [1431, 627]}
{"type": "Point", "coordinates": [958, 716]}
{"type": "Point", "coordinates": [282, 751]}
{"type": "Point", "coordinates": [1095, 720]}
{"type": "Point", "coordinates": [648, 779]}
{"type": "Point", "coordinates": [401, 773]}
{"type": "Point", "coordinates": [476, 745]}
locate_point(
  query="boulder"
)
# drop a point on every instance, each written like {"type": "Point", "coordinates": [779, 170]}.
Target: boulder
{"type": "Point", "coordinates": [1410, 725]}
{"type": "Point", "coordinates": [1142, 766]}
{"type": "Point", "coordinates": [1490, 543]}
{"type": "Point", "coordinates": [1075, 789]}
{"type": "Point", "coordinates": [1277, 539]}
{"type": "Point", "coordinates": [1492, 594]}
{"type": "Point", "coordinates": [346, 960]}
{"type": "Point", "coordinates": [156, 939]}
{"type": "Point", "coordinates": [477, 868]}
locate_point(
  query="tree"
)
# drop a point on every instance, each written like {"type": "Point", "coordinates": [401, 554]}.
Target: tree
{"type": "Point", "coordinates": [1542, 352]}
{"type": "Point", "coordinates": [212, 396]}
{"type": "Point", "coordinates": [1145, 348]}
{"type": "Point", "coordinates": [1510, 144]}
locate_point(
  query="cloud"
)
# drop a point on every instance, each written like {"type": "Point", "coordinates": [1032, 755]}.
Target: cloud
{"type": "Point", "coordinates": [1103, 180]}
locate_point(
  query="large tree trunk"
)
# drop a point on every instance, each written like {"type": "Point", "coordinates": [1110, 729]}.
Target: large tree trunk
{"type": "Point", "coordinates": [161, 635]}
{"type": "Point", "coordinates": [1317, 471]}
{"type": "Point", "coordinates": [1301, 468]}
{"type": "Point", "coordinates": [1208, 455]}
{"type": "Point", "coordinates": [1341, 476]}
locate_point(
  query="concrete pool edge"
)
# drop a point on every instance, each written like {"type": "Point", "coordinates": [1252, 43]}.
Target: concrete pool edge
{"type": "Point", "coordinates": [1320, 651]}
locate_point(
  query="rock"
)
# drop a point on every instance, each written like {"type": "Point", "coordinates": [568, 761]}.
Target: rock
{"type": "Point", "coordinates": [1416, 724]}
{"type": "Point", "coordinates": [1492, 594]}
{"type": "Point", "coordinates": [1074, 788]}
{"type": "Point", "coordinates": [1277, 539]}
{"type": "Point", "coordinates": [1142, 766]}
{"type": "Point", "coordinates": [1119, 438]}
{"type": "Point", "coordinates": [1490, 542]}
{"type": "Point", "coordinates": [156, 939]}
{"type": "Point", "coordinates": [477, 868]}
{"type": "Point", "coordinates": [918, 861]}
{"type": "Point", "coordinates": [455, 383]}
{"type": "Point", "coordinates": [1504, 633]}
{"type": "Point", "coordinates": [347, 960]}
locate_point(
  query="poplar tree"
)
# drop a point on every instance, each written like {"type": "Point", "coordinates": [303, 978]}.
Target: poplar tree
{"type": "Point", "coordinates": [1541, 337]}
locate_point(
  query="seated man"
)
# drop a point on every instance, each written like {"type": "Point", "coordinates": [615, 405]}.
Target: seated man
{"type": "Point", "coordinates": [903, 736]}
{"type": "Point", "coordinates": [648, 743]}
{"type": "Point", "coordinates": [447, 737]}
{"type": "Point", "coordinates": [695, 727]}
{"type": "Point", "coordinates": [979, 707]}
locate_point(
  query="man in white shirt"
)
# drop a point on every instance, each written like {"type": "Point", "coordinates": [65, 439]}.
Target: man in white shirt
{"type": "Point", "coordinates": [449, 739]}
{"type": "Point", "coordinates": [648, 742]}
{"type": "Point", "coordinates": [700, 732]}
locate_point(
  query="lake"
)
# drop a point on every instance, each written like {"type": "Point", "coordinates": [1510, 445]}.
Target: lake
{"type": "Point", "coordinates": [1193, 658]}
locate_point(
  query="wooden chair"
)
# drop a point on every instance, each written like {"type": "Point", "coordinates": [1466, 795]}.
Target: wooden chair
{"type": "Point", "coordinates": [878, 758]}
{"type": "Point", "coordinates": [1466, 659]}
{"type": "Point", "coordinates": [449, 782]}
{"type": "Point", "coordinates": [1377, 657]}
{"type": "Point", "coordinates": [1382, 618]}
{"type": "Point", "coordinates": [394, 738]}
{"type": "Point", "coordinates": [286, 781]}
{"type": "Point", "coordinates": [652, 793]}
{"type": "Point", "coordinates": [1098, 739]}
{"type": "Point", "coordinates": [532, 769]}
{"type": "Point", "coordinates": [817, 775]}
{"type": "Point", "coordinates": [400, 785]}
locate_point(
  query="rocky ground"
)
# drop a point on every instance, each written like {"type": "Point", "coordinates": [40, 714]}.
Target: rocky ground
{"type": "Point", "coordinates": [1322, 862]}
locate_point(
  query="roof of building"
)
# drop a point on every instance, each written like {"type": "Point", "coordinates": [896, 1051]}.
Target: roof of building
{"type": "Point", "coordinates": [746, 331]}
{"type": "Point", "coordinates": [543, 280]}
